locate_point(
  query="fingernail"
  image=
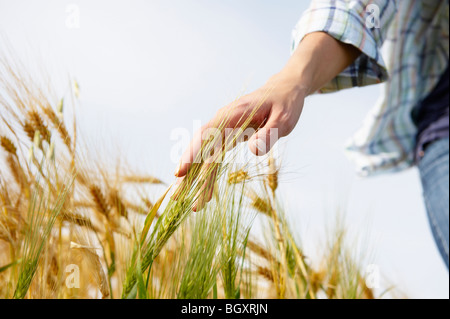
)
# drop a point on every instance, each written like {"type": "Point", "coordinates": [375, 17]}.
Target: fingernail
{"type": "Point", "coordinates": [172, 192]}
{"type": "Point", "coordinates": [261, 146]}
{"type": "Point", "coordinates": [177, 171]}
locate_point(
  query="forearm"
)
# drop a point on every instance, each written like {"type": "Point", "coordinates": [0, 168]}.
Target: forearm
{"type": "Point", "coordinates": [317, 60]}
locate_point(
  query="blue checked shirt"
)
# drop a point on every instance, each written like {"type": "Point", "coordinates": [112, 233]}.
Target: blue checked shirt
{"type": "Point", "coordinates": [405, 45]}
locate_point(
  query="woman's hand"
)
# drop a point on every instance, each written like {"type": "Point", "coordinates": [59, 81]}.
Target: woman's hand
{"type": "Point", "coordinates": [275, 106]}
{"type": "Point", "coordinates": [274, 109]}
{"type": "Point", "coordinates": [271, 111]}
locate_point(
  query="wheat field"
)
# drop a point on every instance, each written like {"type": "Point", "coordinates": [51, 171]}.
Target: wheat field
{"type": "Point", "coordinates": [73, 227]}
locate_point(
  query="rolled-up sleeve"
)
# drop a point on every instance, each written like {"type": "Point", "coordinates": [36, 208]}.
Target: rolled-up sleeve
{"type": "Point", "coordinates": [363, 24]}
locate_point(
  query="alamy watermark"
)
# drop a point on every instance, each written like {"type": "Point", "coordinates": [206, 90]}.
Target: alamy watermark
{"type": "Point", "coordinates": [209, 144]}
{"type": "Point", "coordinates": [73, 16]}
{"type": "Point", "coordinates": [73, 276]}
{"type": "Point", "coordinates": [373, 19]}
{"type": "Point", "coordinates": [373, 276]}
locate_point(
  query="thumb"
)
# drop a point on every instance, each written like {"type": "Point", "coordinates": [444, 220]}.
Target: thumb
{"type": "Point", "coordinates": [265, 138]}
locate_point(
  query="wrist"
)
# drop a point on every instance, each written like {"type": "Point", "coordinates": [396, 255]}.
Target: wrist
{"type": "Point", "coordinates": [294, 82]}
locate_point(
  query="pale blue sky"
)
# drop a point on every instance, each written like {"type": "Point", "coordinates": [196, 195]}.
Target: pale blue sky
{"type": "Point", "coordinates": [148, 67]}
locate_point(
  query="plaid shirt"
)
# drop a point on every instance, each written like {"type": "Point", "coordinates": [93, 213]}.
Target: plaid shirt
{"type": "Point", "coordinates": [408, 50]}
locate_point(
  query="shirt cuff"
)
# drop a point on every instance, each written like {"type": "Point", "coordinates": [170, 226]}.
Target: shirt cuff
{"type": "Point", "coordinates": [347, 26]}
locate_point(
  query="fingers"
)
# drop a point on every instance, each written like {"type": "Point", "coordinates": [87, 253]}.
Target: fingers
{"type": "Point", "coordinates": [209, 144]}
{"type": "Point", "coordinates": [183, 184]}
{"type": "Point", "coordinates": [177, 188]}
{"type": "Point", "coordinates": [204, 172]}
{"type": "Point", "coordinates": [208, 177]}
{"type": "Point", "coordinates": [230, 116]}
{"type": "Point", "coordinates": [204, 195]}
{"type": "Point", "coordinates": [265, 138]}
{"type": "Point", "coordinates": [190, 154]}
